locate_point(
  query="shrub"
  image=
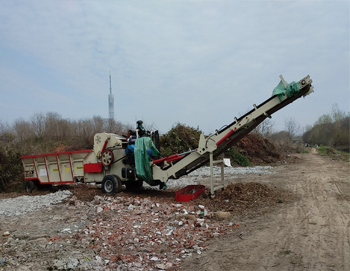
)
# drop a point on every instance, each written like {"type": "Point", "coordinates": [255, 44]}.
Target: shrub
{"type": "Point", "coordinates": [179, 139]}
{"type": "Point", "coordinates": [239, 158]}
{"type": "Point", "coordinates": [10, 171]}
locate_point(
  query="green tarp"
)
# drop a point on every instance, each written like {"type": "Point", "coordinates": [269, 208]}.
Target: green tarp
{"type": "Point", "coordinates": [292, 89]}
{"type": "Point", "coordinates": [143, 168]}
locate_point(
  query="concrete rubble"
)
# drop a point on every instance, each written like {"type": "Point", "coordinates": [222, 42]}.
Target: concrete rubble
{"type": "Point", "coordinates": [122, 231]}
{"type": "Point", "coordinates": [135, 232]}
{"type": "Point", "coordinates": [24, 204]}
{"type": "Point", "coordinates": [115, 233]}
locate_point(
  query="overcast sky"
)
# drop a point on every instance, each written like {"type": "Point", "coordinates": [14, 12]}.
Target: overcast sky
{"type": "Point", "coordinates": [200, 63]}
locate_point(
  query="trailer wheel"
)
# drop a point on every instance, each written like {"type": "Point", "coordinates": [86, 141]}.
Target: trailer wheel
{"type": "Point", "coordinates": [109, 184]}
{"type": "Point", "coordinates": [107, 157]}
{"type": "Point", "coordinates": [30, 186]}
{"type": "Point", "coordinates": [119, 184]}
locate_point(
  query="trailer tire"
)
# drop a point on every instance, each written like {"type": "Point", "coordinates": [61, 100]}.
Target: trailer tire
{"type": "Point", "coordinates": [30, 186]}
{"type": "Point", "coordinates": [119, 185]}
{"type": "Point", "coordinates": [109, 184]}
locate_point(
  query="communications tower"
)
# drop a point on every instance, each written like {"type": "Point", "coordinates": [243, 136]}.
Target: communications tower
{"type": "Point", "coordinates": [110, 99]}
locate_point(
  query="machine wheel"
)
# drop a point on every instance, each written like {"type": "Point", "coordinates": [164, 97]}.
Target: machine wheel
{"type": "Point", "coordinates": [30, 186]}
{"type": "Point", "coordinates": [119, 184]}
{"type": "Point", "coordinates": [134, 185]}
{"type": "Point", "coordinates": [109, 184]}
{"type": "Point", "coordinates": [107, 157]}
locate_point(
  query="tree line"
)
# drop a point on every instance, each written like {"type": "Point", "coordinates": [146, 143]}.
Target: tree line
{"type": "Point", "coordinates": [44, 133]}
{"type": "Point", "coordinates": [330, 130]}
{"type": "Point", "coordinates": [47, 133]}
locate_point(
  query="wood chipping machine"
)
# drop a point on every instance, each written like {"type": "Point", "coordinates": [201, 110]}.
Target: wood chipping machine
{"type": "Point", "coordinates": [109, 165]}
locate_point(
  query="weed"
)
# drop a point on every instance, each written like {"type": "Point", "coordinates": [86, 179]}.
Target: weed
{"type": "Point", "coordinates": [286, 252]}
{"type": "Point", "coordinates": [333, 153]}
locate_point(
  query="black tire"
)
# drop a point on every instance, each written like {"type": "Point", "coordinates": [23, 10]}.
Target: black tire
{"type": "Point", "coordinates": [119, 185]}
{"type": "Point", "coordinates": [30, 186]}
{"type": "Point", "coordinates": [109, 184]}
{"type": "Point", "coordinates": [134, 185]}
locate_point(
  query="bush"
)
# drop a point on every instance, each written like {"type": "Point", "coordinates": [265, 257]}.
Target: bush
{"type": "Point", "coordinates": [239, 158]}
{"type": "Point", "coordinates": [11, 169]}
{"type": "Point", "coordinates": [179, 139]}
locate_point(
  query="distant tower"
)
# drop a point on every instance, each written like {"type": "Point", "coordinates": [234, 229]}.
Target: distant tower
{"type": "Point", "coordinates": [110, 99]}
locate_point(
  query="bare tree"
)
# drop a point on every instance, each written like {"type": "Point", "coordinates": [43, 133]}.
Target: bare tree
{"type": "Point", "coordinates": [265, 128]}
{"type": "Point", "coordinates": [337, 114]}
{"type": "Point", "coordinates": [292, 127]}
{"type": "Point", "coordinates": [23, 130]}
{"type": "Point", "coordinates": [122, 129]}
{"type": "Point", "coordinates": [38, 122]}
{"type": "Point", "coordinates": [110, 124]}
{"type": "Point", "coordinates": [99, 124]}
{"type": "Point", "coordinates": [52, 126]}
{"type": "Point", "coordinates": [6, 134]}
{"type": "Point", "coordinates": [4, 127]}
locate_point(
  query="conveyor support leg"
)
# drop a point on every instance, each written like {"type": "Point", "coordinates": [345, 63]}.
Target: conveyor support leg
{"type": "Point", "coordinates": [212, 162]}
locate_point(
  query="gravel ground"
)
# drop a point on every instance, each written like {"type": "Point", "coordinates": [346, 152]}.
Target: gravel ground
{"type": "Point", "coordinates": [24, 204]}
{"type": "Point", "coordinates": [205, 171]}
{"type": "Point", "coordinates": [196, 177]}
{"type": "Point", "coordinates": [82, 229]}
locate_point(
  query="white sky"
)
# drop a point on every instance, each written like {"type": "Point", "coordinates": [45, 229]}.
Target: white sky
{"type": "Point", "coordinates": [200, 63]}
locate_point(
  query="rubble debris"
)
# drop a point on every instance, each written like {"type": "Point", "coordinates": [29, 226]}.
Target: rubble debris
{"type": "Point", "coordinates": [2, 261]}
{"type": "Point", "coordinates": [140, 231]}
{"type": "Point", "coordinates": [129, 231]}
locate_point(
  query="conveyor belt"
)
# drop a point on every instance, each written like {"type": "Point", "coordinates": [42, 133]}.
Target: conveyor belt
{"type": "Point", "coordinates": [226, 137]}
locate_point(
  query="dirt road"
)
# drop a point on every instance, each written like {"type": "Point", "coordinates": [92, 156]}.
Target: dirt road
{"type": "Point", "coordinates": [311, 233]}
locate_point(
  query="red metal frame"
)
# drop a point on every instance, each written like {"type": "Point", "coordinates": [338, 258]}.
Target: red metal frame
{"type": "Point", "coordinates": [104, 146]}
{"type": "Point", "coordinates": [37, 179]}
{"type": "Point", "coordinates": [58, 167]}
{"type": "Point", "coordinates": [71, 166]}
{"type": "Point", "coordinates": [225, 137]}
{"type": "Point", "coordinates": [175, 158]}
{"type": "Point", "coordinates": [56, 153]}
{"type": "Point", "coordinates": [170, 158]}
{"type": "Point", "coordinates": [52, 154]}
{"type": "Point", "coordinates": [36, 172]}
{"type": "Point", "coordinates": [47, 172]}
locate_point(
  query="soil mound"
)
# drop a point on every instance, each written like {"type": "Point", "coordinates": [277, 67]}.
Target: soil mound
{"type": "Point", "coordinates": [258, 150]}
{"type": "Point", "coordinates": [249, 199]}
